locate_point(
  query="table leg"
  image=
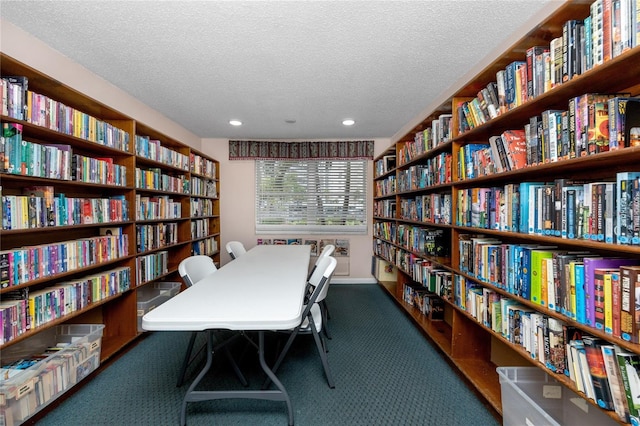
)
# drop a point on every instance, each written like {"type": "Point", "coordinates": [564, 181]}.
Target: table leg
{"type": "Point", "coordinates": [273, 395]}
{"type": "Point", "coordinates": [205, 369]}
{"type": "Point", "coordinates": [273, 377]}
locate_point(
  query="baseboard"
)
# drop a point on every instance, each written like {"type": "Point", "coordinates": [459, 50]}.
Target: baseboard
{"type": "Point", "coordinates": [345, 280]}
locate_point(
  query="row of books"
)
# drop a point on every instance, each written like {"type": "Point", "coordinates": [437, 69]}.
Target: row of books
{"type": "Point", "coordinates": [102, 171]}
{"type": "Point", "coordinates": [24, 264]}
{"type": "Point", "coordinates": [23, 310]}
{"type": "Point", "coordinates": [199, 228]}
{"type": "Point", "coordinates": [386, 186]}
{"type": "Point", "coordinates": [153, 150]}
{"type": "Point", "coordinates": [20, 103]}
{"type": "Point", "coordinates": [385, 230]}
{"type": "Point", "coordinates": [434, 171]}
{"type": "Point", "coordinates": [208, 246]}
{"type": "Point", "coordinates": [54, 161]}
{"type": "Point", "coordinates": [40, 375]}
{"type": "Point", "coordinates": [202, 166]}
{"type": "Point", "coordinates": [428, 303]}
{"type": "Point", "coordinates": [430, 276]}
{"type": "Point", "coordinates": [151, 266]}
{"type": "Point", "coordinates": [158, 207]}
{"type": "Point", "coordinates": [384, 165]}
{"type": "Point", "coordinates": [203, 188]}
{"type": "Point", "coordinates": [153, 236]}
{"type": "Point", "coordinates": [583, 286]}
{"type": "Point", "coordinates": [505, 152]}
{"type": "Point", "coordinates": [593, 123]}
{"type": "Point", "coordinates": [384, 208]}
{"type": "Point", "coordinates": [39, 208]}
{"type": "Point", "coordinates": [429, 208]}
{"type": "Point", "coordinates": [155, 179]}
{"type": "Point", "coordinates": [385, 250]}
{"type": "Point", "coordinates": [601, 370]}
{"type": "Point", "coordinates": [425, 140]}
{"type": "Point", "coordinates": [605, 211]}
{"type": "Point", "coordinates": [19, 156]}
{"type": "Point", "coordinates": [201, 207]}
{"type": "Point", "coordinates": [610, 30]}
{"type": "Point", "coordinates": [426, 241]}
{"type": "Point", "coordinates": [475, 160]}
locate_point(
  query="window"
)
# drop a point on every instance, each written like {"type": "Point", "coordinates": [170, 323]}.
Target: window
{"type": "Point", "coordinates": [311, 196]}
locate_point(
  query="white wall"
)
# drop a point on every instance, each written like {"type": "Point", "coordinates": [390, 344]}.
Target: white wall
{"type": "Point", "coordinates": [236, 177]}
{"type": "Point", "coordinates": [237, 216]}
{"type": "Point", "coordinates": [29, 50]}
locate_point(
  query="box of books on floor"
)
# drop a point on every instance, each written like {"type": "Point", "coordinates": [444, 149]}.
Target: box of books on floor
{"type": "Point", "coordinates": [532, 397]}
{"type": "Point", "coordinates": [152, 295]}
{"type": "Point", "coordinates": [37, 370]}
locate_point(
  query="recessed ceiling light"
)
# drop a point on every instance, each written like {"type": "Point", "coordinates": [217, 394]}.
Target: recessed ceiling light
{"type": "Point", "coordinates": [348, 122]}
{"type": "Point", "coordinates": [235, 122]}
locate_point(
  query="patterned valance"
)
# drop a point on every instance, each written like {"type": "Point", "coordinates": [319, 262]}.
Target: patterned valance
{"type": "Point", "coordinates": [263, 150]}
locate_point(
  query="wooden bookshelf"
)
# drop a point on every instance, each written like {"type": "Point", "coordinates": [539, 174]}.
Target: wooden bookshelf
{"type": "Point", "coordinates": [472, 347]}
{"type": "Point", "coordinates": [117, 311]}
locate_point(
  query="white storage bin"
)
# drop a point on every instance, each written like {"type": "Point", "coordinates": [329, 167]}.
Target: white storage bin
{"type": "Point", "coordinates": [45, 366]}
{"type": "Point", "coordinates": [152, 295]}
{"type": "Point", "coordinates": [532, 397]}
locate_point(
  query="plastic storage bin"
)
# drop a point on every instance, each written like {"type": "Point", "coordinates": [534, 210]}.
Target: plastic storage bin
{"type": "Point", "coordinates": [152, 295]}
{"type": "Point", "coordinates": [44, 367]}
{"type": "Point", "coordinates": [532, 397]}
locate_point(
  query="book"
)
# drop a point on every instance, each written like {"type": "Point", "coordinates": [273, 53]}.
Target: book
{"type": "Point", "coordinates": [630, 303]}
{"type": "Point", "coordinates": [616, 304]}
{"type": "Point", "coordinates": [18, 97]}
{"type": "Point", "coordinates": [616, 386]}
{"type": "Point", "coordinates": [618, 121]}
{"type": "Point", "coordinates": [595, 360]}
{"type": "Point", "coordinates": [590, 265]}
{"type": "Point", "coordinates": [556, 361]}
{"type": "Point", "coordinates": [629, 364]}
{"type": "Point", "coordinates": [13, 145]}
{"type": "Point", "coordinates": [498, 154]}
{"type": "Point", "coordinates": [515, 145]}
{"type": "Point", "coordinates": [624, 204]}
{"type": "Point", "coordinates": [631, 123]}
{"type": "Point", "coordinates": [602, 303]}
{"type": "Point", "coordinates": [41, 202]}
{"type": "Point", "coordinates": [537, 267]}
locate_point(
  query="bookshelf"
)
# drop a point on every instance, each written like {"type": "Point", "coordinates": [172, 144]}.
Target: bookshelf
{"type": "Point", "coordinates": [205, 206]}
{"type": "Point", "coordinates": [430, 171]}
{"type": "Point", "coordinates": [128, 215]}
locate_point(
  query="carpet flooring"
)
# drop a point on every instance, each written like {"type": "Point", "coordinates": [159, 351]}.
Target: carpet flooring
{"type": "Point", "coordinates": [386, 373]}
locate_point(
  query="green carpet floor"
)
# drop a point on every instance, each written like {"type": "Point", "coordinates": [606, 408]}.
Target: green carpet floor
{"type": "Point", "coordinates": [386, 373]}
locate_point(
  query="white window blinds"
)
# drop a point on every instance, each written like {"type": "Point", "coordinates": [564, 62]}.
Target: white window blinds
{"type": "Point", "coordinates": [311, 196]}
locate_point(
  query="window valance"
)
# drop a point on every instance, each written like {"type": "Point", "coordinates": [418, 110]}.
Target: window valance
{"type": "Point", "coordinates": [265, 150]}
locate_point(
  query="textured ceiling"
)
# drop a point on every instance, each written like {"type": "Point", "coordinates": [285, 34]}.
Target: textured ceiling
{"type": "Point", "coordinates": [202, 63]}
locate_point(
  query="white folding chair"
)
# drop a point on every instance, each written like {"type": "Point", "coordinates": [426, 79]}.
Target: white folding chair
{"type": "Point", "coordinates": [235, 249]}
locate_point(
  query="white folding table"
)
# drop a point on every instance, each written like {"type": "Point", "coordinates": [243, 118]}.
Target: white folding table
{"type": "Point", "coordinates": [259, 291]}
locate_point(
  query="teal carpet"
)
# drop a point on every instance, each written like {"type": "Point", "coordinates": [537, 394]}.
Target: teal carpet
{"type": "Point", "coordinates": [386, 373]}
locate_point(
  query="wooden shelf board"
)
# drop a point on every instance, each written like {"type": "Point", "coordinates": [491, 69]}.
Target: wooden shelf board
{"type": "Point", "coordinates": [484, 377]}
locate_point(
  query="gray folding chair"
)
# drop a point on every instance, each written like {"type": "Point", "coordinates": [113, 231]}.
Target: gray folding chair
{"type": "Point", "coordinates": [311, 322]}
{"type": "Point", "coordinates": [324, 309]}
